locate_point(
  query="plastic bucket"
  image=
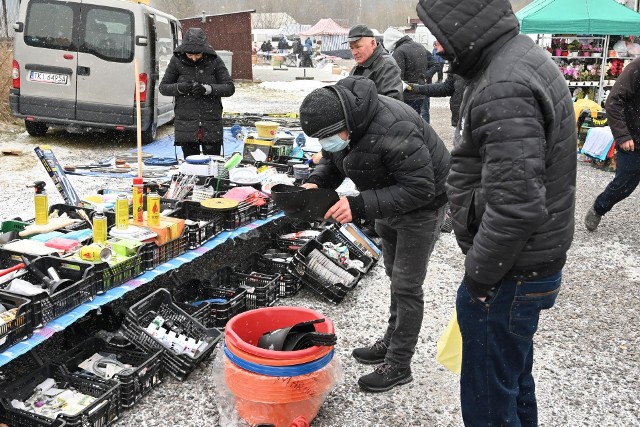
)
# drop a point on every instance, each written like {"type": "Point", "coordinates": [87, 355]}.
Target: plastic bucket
{"type": "Point", "coordinates": [245, 329]}
{"type": "Point", "coordinates": [279, 371]}
{"type": "Point", "coordinates": [275, 362]}
{"type": "Point", "coordinates": [301, 171]}
{"type": "Point", "coordinates": [267, 129]}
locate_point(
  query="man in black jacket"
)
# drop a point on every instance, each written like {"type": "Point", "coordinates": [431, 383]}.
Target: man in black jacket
{"type": "Point", "coordinates": [413, 59]}
{"type": "Point", "coordinates": [198, 78]}
{"type": "Point", "coordinates": [511, 191]}
{"type": "Point", "coordinates": [399, 165]}
{"type": "Point", "coordinates": [374, 62]}
{"type": "Point", "coordinates": [623, 113]}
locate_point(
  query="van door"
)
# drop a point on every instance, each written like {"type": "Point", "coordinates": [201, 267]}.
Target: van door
{"type": "Point", "coordinates": [166, 42]}
{"type": "Point", "coordinates": [106, 79]}
{"type": "Point", "coordinates": [48, 53]}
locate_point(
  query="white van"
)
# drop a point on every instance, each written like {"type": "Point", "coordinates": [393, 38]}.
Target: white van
{"type": "Point", "coordinates": [74, 65]}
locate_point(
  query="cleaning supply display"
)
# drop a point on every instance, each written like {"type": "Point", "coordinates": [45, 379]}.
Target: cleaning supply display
{"type": "Point", "coordinates": [264, 392]}
{"type": "Point", "coordinates": [41, 203]}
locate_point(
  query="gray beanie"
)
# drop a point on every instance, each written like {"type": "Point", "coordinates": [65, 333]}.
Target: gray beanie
{"type": "Point", "coordinates": [321, 113]}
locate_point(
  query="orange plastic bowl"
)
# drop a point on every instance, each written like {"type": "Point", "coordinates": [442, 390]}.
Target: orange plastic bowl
{"type": "Point", "coordinates": [245, 329]}
{"type": "Point", "coordinates": [277, 362]}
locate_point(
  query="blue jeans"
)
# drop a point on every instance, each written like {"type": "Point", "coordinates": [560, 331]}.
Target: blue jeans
{"type": "Point", "coordinates": [426, 104]}
{"type": "Point", "coordinates": [407, 243]}
{"type": "Point", "coordinates": [496, 385]}
{"type": "Point", "coordinates": [626, 180]}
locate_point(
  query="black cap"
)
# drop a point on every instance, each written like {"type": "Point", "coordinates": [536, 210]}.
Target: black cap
{"type": "Point", "coordinates": [359, 31]}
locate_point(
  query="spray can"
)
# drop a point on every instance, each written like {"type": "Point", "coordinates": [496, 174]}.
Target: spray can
{"type": "Point", "coordinates": [99, 226]}
{"type": "Point", "coordinates": [41, 203]}
{"type": "Point", "coordinates": [153, 209]}
{"type": "Point", "coordinates": [95, 252]}
{"type": "Point", "coordinates": [122, 212]}
{"type": "Point", "coordinates": [137, 195]}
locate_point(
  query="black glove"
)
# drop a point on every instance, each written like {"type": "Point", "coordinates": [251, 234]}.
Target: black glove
{"type": "Point", "coordinates": [185, 88]}
{"type": "Point", "coordinates": [479, 290]}
{"type": "Point", "coordinates": [198, 89]}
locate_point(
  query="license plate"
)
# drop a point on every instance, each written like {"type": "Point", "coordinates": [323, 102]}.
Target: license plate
{"type": "Point", "coordinates": [58, 79]}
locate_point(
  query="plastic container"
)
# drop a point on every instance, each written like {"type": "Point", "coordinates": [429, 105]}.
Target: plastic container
{"type": "Point", "coordinates": [211, 314]}
{"type": "Point", "coordinates": [83, 288]}
{"type": "Point", "coordinates": [110, 274]}
{"type": "Point", "coordinates": [288, 284]}
{"type": "Point", "coordinates": [232, 219]}
{"type": "Point", "coordinates": [335, 237]}
{"type": "Point", "coordinates": [19, 328]}
{"type": "Point", "coordinates": [104, 411]}
{"type": "Point", "coordinates": [133, 383]}
{"type": "Point", "coordinates": [160, 303]}
{"type": "Point", "coordinates": [153, 254]}
{"type": "Point", "coordinates": [261, 289]}
{"type": "Point", "coordinates": [244, 330]}
{"type": "Point", "coordinates": [267, 129]}
{"type": "Point", "coordinates": [249, 357]}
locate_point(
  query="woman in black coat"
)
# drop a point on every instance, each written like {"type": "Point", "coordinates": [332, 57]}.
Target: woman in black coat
{"type": "Point", "coordinates": [198, 79]}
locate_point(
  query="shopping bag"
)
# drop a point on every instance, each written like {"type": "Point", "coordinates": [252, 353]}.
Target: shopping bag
{"type": "Point", "coordinates": [449, 346]}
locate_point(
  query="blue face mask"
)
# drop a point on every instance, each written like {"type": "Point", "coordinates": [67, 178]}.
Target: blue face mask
{"type": "Point", "coordinates": [333, 143]}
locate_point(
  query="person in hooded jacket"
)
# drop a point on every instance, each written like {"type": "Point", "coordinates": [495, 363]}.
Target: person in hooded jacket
{"type": "Point", "coordinates": [511, 192]}
{"type": "Point", "coordinates": [413, 59]}
{"type": "Point", "coordinates": [399, 166]}
{"type": "Point", "coordinates": [198, 79]}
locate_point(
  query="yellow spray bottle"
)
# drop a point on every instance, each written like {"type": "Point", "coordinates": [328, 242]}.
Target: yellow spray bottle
{"type": "Point", "coordinates": [41, 203]}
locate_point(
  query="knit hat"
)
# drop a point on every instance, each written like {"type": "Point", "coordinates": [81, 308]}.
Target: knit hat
{"type": "Point", "coordinates": [391, 37]}
{"type": "Point", "coordinates": [321, 113]}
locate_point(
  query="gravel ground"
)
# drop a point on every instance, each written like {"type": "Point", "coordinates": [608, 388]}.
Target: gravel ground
{"type": "Point", "coordinates": [587, 362]}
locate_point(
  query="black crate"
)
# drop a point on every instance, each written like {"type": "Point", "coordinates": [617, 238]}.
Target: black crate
{"type": "Point", "coordinates": [111, 275]}
{"type": "Point", "coordinates": [268, 209]}
{"type": "Point", "coordinates": [19, 328]}
{"type": "Point", "coordinates": [335, 236]}
{"type": "Point", "coordinates": [210, 314]}
{"type": "Point", "coordinates": [134, 383]}
{"type": "Point", "coordinates": [160, 303]}
{"type": "Point", "coordinates": [262, 289]}
{"type": "Point", "coordinates": [75, 212]}
{"type": "Point", "coordinates": [334, 292]}
{"type": "Point", "coordinates": [9, 258]}
{"type": "Point", "coordinates": [293, 244]}
{"type": "Point", "coordinates": [83, 288]}
{"type": "Point", "coordinates": [104, 411]}
{"type": "Point", "coordinates": [288, 284]}
{"type": "Point", "coordinates": [153, 254]}
{"type": "Point", "coordinates": [198, 232]}
{"type": "Point", "coordinates": [232, 219]}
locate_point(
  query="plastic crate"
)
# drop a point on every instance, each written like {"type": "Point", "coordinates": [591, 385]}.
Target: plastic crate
{"type": "Point", "coordinates": [9, 258]}
{"type": "Point", "coordinates": [335, 236]}
{"type": "Point", "coordinates": [111, 275]}
{"type": "Point", "coordinates": [73, 213]}
{"type": "Point", "coordinates": [210, 314]}
{"type": "Point", "coordinates": [160, 303]}
{"type": "Point", "coordinates": [19, 328]}
{"type": "Point", "coordinates": [47, 307]}
{"type": "Point", "coordinates": [198, 232]}
{"type": "Point", "coordinates": [262, 288]}
{"type": "Point", "coordinates": [134, 383]}
{"type": "Point", "coordinates": [288, 284]}
{"type": "Point", "coordinates": [292, 245]}
{"type": "Point", "coordinates": [334, 292]}
{"type": "Point", "coordinates": [153, 255]}
{"type": "Point", "coordinates": [104, 411]}
{"type": "Point", "coordinates": [232, 219]}
{"type": "Point", "coordinates": [10, 226]}
{"type": "Point", "coordinates": [267, 209]}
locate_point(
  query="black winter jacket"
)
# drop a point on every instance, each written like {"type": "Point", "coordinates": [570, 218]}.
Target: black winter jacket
{"type": "Point", "coordinates": [383, 70]}
{"type": "Point", "coordinates": [512, 182]}
{"type": "Point", "coordinates": [623, 105]}
{"type": "Point", "coordinates": [394, 158]}
{"type": "Point", "coordinates": [414, 60]}
{"type": "Point", "coordinates": [197, 111]}
{"type": "Point", "coordinates": [453, 86]}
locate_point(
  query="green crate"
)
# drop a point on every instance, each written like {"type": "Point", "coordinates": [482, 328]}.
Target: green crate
{"type": "Point", "coordinates": [8, 226]}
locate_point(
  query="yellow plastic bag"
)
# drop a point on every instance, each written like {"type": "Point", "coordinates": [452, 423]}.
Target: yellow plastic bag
{"type": "Point", "coordinates": [449, 346]}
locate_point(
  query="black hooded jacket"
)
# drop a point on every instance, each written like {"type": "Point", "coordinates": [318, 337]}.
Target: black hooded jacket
{"type": "Point", "coordinates": [394, 158]}
{"type": "Point", "coordinates": [414, 60]}
{"type": "Point", "coordinates": [512, 182]}
{"type": "Point", "coordinates": [197, 111]}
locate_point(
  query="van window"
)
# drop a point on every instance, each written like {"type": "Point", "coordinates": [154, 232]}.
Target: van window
{"type": "Point", "coordinates": [50, 25]}
{"type": "Point", "coordinates": [108, 34]}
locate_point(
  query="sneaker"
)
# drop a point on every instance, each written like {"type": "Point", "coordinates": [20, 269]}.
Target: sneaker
{"type": "Point", "coordinates": [385, 377]}
{"type": "Point", "coordinates": [371, 355]}
{"type": "Point", "coordinates": [592, 219]}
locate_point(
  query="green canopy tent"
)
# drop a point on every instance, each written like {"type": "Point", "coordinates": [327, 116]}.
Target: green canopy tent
{"type": "Point", "coordinates": [592, 17]}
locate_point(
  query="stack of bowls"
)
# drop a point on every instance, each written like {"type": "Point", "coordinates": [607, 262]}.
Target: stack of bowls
{"type": "Point", "coordinates": [276, 386]}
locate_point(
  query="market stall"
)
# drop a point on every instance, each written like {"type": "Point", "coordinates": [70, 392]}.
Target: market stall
{"type": "Point", "coordinates": [579, 34]}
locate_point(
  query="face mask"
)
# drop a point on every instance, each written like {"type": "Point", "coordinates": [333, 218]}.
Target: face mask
{"type": "Point", "coordinates": [333, 143]}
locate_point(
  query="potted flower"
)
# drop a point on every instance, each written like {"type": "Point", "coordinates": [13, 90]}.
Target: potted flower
{"type": "Point", "coordinates": [556, 47]}
{"type": "Point", "coordinates": [597, 52]}
{"type": "Point", "coordinates": [573, 47]}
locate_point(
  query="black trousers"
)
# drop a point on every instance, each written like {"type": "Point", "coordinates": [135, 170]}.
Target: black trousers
{"type": "Point", "coordinates": [194, 149]}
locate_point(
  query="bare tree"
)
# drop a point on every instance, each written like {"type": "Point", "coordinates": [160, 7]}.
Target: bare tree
{"type": "Point", "coordinates": [271, 20]}
{"type": "Point", "coordinates": [178, 8]}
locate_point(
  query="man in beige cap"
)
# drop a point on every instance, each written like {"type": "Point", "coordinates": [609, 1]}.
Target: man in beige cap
{"type": "Point", "coordinates": [374, 62]}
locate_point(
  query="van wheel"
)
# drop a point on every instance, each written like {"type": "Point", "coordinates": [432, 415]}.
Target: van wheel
{"type": "Point", "coordinates": [36, 128]}
{"type": "Point", "coordinates": [149, 135]}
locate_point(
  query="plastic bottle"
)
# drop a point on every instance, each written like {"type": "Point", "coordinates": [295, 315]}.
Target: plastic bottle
{"type": "Point", "coordinates": [41, 203]}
